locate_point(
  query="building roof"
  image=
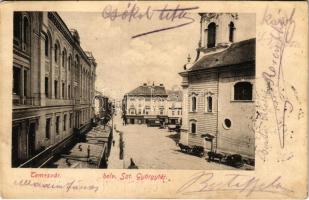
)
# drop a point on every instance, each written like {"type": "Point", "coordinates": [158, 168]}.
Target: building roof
{"type": "Point", "coordinates": [237, 53]}
{"type": "Point", "coordinates": [174, 95]}
{"type": "Point", "coordinates": [148, 90]}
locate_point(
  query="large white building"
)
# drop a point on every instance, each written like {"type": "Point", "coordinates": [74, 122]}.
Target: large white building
{"type": "Point", "coordinates": [53, 85]}
{"type": "Point", "coordinates": [218, 86]}
{"type": "Point", "coordinates": [152, 103]}
{"type": "Point", "coordinates": [145, 104]}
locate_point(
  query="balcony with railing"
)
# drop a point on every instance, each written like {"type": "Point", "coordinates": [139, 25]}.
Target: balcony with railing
{"type": "Point", "coordinates": [25, 102]}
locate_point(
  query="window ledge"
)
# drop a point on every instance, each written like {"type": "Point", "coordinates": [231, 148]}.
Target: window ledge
{"type": "Point", "coordinates": [243, 101]}
{"type": "Point", "coordinates": [192, 111]}
{"type": "Point", "coordinates": [208, 112]}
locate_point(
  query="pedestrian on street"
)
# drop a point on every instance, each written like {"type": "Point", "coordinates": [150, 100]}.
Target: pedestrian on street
{"type": "Point", "coordinates": [113, 142]}
{"type": "Point", "coordinates": [132, 164]}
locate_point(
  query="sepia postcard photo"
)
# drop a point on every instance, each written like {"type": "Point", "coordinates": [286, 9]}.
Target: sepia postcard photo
{"type": "Point", "coordinates": [154, 99]}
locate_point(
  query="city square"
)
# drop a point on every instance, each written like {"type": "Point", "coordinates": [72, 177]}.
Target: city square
{"type": "Point", "coordinates": [77, 104]}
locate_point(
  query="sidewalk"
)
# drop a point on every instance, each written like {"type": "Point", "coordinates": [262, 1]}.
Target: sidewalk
{"type": "Point", "coordinates": [113, 161]}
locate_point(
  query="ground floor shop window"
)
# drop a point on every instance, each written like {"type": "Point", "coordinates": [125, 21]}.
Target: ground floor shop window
{"type": "Point", "coordinates": [64, 122]}
{"type": "Point", "coordinates": [47, 129]}
{"type": "Point", "coordinates": [71, 120]}
{"type": "Point", "coordinates": [16, 80]}
{"type": "Point", "coordinates": [57, 124]}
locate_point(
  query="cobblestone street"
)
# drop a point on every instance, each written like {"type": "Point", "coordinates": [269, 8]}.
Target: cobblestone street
{"type": "Point", "coordinates": [153, 148]}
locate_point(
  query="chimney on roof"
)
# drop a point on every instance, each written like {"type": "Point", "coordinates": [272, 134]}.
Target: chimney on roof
{"type": "Point", "coordinates": [144, 84]}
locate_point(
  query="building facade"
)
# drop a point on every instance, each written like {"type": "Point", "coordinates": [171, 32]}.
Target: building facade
{"type": "Point", "coordinates": [102, 108]}
{"type": "Point", "coordinates": [174, 105]}
{"type": "Point", "coordinates": [53, 84]}
{"type": "Point", "coordinates": [145, 104]}
{"type": "Point", "coordinates": [218, 86]}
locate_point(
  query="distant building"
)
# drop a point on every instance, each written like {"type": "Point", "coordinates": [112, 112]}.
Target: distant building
{"type": "Point", "coordinates": [53, 84]}
{"type": "Point", "coordinates": [102, 108]}
{"type": "Point", "coordinates": [218, 87]}
{"type": "Point", "coordinates": [145, 104]}
{"type": "Point", "coordinates": [174, 105]}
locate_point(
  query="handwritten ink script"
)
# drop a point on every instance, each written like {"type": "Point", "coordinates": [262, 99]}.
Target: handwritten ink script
{"type": "Point", "coordinates": [73, 185]}
{"type": "Point", "coordinates": [52, 181]}
{"type": "Point", "coordinates": [247, 185]}
{"type": "Point", "coordinates": [177, 16]}
{"type": "Point", "coordinates": [276, 105]}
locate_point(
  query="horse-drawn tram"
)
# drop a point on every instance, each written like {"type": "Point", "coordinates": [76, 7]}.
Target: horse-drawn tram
{"type": "Point", "coordinates": [91, 151]}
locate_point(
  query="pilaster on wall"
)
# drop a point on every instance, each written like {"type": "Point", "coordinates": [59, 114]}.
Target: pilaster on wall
{"type": "Point", "coordinates": [42, 68]}
{"type": "Point", "coordinates": [185, 85]}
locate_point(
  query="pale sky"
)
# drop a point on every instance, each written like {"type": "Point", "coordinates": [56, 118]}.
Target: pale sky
{"type": "Point", "coordinates": [125, 63]}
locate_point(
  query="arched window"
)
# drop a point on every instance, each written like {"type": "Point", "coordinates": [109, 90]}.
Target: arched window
{"type": "Point", "coordinates": [26, 31]}
{"type": "Point", "coordinates": [231, 34]}
{"type": "Point", "coordinates": [76, 67]}
{"type": "Point", "coordinates": [193, 104]}
{"type": "Point", "coordinates": [69, 91]}
{"type": "Point", "coordinates": [211, 37]}
{"type": "Point", "coordinates": [243, 91]}
{"type": "Point", "coordinates": [56, 49]}
{"type": "Point", "coordinates": [17, 28]}
{"type": "Point", "coordinates": [69, 62]}
{"type": "Point", "coordinates": [46, 45]}
{"type": "Point", "coordinates": [132, 111]}
{"type": "Point", "coordinates": [193, 127]}
{"type": "Point", "coordinates": [64, 57]}
{"type": "Point", "coordinates": [208, 104]}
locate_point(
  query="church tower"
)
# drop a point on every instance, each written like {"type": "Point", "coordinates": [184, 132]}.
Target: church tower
{"type": "Point", "coordinates": [217, 30]}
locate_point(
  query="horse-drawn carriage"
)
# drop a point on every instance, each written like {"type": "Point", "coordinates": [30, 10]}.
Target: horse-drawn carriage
{"type": "Point", "coordinates": [194, 150]}
{"type": "Point", "coordinates": [173, 127]}
{"type": "Point", "coordinates": [234, 160]}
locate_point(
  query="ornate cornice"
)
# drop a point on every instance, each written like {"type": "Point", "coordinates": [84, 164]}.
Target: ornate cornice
{"type": "Point", "coordinates": [61, 26]}
{"type": "Point", "coordinates": [209, 16]}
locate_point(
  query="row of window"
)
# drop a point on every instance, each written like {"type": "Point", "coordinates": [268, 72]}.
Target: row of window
{"type": "Point", "coordinates": [84, 81]}
{"type": "Point", "coordinates": [66, 118]}
{"type": "Point", "coordinates": [22, 31]}
{"type": "Point", "coordinates": [242, 92]}
{"type": "Point", "coordinates": [147, 99]}
{"type": "Point", "coordinates": [132, 111]}
{"type": "Point", "coordinates": [64, 90]}
{"type": "Point", "coordinates": [20, 85]}
{"type": "Point", "coordinates": [57, 124]}
{"type": "Point", "coordinates": [208, 102]}
{"type": "Point", "coordinates": [22, 38]}
{"type": "Point", "coordinates": [227, 124]}
{"type": "Point", "coordinates": [178, 112]}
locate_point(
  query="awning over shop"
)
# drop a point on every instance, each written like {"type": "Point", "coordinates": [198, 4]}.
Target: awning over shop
{"type": "Point", "coordinates": [150, 117]}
